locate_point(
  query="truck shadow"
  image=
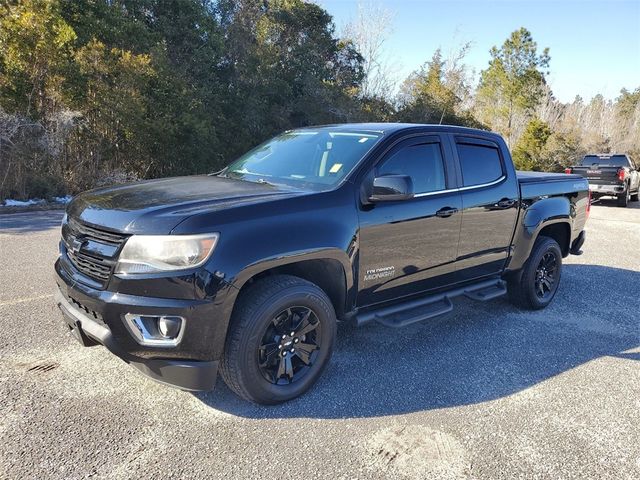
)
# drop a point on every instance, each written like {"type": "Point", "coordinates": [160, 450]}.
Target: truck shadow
{"type": "Point", "coordinates": [479, 352]}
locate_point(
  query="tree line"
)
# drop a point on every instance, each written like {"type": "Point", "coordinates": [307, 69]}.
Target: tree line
{"type": "Point", "coordinates": [100, 91]}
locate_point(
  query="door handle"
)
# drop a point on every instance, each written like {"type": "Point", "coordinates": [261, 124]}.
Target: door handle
{"type": "Point", "coordinates": [446, 212]}
{"type": "Point", "coordinates": [505, 203]}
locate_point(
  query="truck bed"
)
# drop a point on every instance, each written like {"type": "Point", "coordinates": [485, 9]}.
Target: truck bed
{"type": "Point", "coordinates": [537, 184]}
{"type": "Point", "coordinates": [534, 177]}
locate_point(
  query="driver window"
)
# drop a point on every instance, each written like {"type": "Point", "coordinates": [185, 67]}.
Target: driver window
{"type": "Point", "coordinates": [422, 162]}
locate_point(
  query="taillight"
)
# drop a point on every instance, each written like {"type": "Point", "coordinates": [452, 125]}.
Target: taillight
{"type": "Point", "coordinates": [622, 173]}
{"type": "Point", "coordinates": [589, 204]}
{"type": "Point", "coordinates": [568, 170]}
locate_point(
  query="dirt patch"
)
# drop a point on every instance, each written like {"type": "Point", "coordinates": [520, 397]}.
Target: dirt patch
{"type": "Point", "coordinates": [418, 452]}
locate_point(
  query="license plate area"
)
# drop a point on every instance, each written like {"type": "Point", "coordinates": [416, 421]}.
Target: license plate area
{"type": "Point", "coordinates": [75, 329]}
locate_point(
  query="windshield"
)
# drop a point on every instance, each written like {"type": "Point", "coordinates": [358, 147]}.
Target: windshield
{"type": "Point", "coordinates": [605, 160]}
{"type": "Point", "coordinates": [311, 158]}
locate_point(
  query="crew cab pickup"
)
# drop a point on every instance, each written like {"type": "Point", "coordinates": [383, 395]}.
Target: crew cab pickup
{"type": "Point", "coordinates": [248, 270]}
{"type": "Point", "coordinates": [610, 175]}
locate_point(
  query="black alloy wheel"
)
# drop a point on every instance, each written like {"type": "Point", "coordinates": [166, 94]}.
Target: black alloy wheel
{"type": "Point", "coordinates": [545, 275]}
{"type": "Point", "coordinates": [280, 339]}
{"type": "Point", "coordinates": [535, 286]}
{"type": "Point", "coordinates": [290, 345]}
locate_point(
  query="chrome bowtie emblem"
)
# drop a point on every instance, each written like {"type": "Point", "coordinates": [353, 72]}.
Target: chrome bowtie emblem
{"type": "Point", "coordinates": [76, 245]}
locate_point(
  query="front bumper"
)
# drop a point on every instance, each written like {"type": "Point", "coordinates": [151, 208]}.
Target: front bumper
{"type": "Point", "coordinates": [606, 189]}
{"type": "Point", "coordinates": [185, 374]}
{"type": "Point", "coordinates": [97, 317]}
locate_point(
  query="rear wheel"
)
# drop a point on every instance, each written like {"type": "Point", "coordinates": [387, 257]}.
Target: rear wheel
{"type": "Point", "coordinates": [624, 197]}
{"type": "Point", "coordinates": [538, 281]}
{"type": "Point", "coordinates": [279, 341]}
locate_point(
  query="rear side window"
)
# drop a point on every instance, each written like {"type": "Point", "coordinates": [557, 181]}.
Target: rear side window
{"type": "Point", "coordinates": [422, 162]}
{"type": "Point", "coordinates": [480, 164]}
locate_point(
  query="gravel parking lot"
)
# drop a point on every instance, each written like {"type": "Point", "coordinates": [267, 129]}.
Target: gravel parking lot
{"type": "Point", "coordinates": [487, 391]}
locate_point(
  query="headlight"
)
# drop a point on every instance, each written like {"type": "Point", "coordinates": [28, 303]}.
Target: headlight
{"type": "Point", "coordinates": [161, 253]}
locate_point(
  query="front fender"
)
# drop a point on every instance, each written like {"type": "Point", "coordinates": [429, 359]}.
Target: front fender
{"type": "Point", "coordinates": [275, 261]}
{"type": "Point", "coordinates": [537, 216]}
{"type": "Point", "coordinates": [265, 264]}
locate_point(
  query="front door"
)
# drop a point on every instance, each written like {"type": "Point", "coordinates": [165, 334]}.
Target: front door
{"type": "Point", "coordinates": [410, 246]}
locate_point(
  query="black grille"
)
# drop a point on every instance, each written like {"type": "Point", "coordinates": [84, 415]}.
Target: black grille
{"type": "Point", "coordinates": [90, 266]}
{"type": "Point", "coordinates": [79, 230]}
{"type": "Point", "coordinates": [92, 251]}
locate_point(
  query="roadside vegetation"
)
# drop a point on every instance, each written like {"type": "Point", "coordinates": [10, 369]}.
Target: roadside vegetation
{"type": "Point", "coordinates": [94, 92]}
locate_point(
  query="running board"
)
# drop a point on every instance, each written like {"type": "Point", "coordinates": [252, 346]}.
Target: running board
{"type": "Point", "coordinates": [424, 308]}
{"type": "Point", "coordinates": [496, 290]}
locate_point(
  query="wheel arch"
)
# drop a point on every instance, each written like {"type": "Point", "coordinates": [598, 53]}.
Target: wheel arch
{"type": "Point", "coordinates": [329, 269]}
{"type": "Point", "coordinates": [551, 217]}
{"type": "Point", "coordinates": [560, 232]}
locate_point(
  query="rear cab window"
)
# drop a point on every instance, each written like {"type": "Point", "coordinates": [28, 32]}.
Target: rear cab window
{"type": "Point", "coordinates": [605, 161]}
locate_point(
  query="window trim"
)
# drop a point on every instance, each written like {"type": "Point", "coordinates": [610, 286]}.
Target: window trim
{"type": "Point", "coordinates": [479, 142]}
{"type": "Point", "coordinates": [462, 189]}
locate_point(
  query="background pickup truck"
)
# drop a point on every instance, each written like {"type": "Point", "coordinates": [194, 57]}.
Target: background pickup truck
{"type": "Point", "coordinates": [248, 270]}
{"type": "Point", "coordinates": [610, 175]}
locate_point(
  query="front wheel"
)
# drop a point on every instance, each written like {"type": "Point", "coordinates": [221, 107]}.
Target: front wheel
{"type": "Point", "coordinates": [538, 281]}
{"type": "Point", "coordinates": [280, 339]}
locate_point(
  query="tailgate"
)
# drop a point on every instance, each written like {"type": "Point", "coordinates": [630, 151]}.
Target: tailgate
{"type": "Point", "coordinates": [599, 175]}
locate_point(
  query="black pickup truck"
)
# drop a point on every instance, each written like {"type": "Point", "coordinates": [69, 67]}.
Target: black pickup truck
{"type": "Point", "coordinates": [248, 270]}
{"type": "Point", "coordinates": [610, 175]}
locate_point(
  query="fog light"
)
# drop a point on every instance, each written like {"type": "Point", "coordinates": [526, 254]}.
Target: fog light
{"type": "Point", "coordinates": [155, 330]}
{"type": "Point", "coordinates": [169, 327]}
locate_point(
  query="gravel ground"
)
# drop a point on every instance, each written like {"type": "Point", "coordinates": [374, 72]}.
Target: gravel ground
{"type": "Point", "coordinates": [487, 391]}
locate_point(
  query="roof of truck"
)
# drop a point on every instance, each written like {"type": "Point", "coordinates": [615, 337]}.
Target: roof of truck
{"type": "Point", "coordinates": [386, 128]}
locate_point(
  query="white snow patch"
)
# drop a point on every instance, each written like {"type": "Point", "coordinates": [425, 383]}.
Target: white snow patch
{"type": "Point", "coordinates": [9, 202]}
{"type": "Point", "coordinates": [66, 199]}
{"type": "Point", "coordinates": [23, 203]}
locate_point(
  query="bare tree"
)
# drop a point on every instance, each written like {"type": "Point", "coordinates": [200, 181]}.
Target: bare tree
{"type": "Point", "coordinates": [369, 31]}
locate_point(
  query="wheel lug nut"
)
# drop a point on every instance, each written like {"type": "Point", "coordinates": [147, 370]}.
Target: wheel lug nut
{"type": "Point", "coordinates": [293, 333]}
{"type": "Point", "coordinates": [293, 350]}
{"type": "Point", "coordinates": [279, 347]}
{"type": "Point", "coordinates": [284, 354]}
{"type": "Point", "coordinates": [296, 340]}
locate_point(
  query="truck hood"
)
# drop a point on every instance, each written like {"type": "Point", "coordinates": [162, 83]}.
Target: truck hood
{"type": "Point", "coordinates": [157, 206]}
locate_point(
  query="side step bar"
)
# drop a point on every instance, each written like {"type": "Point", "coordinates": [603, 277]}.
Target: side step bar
{"type": "Point", "coordinates": [418, 310]}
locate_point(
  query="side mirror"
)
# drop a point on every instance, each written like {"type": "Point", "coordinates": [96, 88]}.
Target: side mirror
{"type": "Point", "coordinates": [391, 188]}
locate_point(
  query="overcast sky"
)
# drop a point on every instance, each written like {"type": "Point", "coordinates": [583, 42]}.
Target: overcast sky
{"type": "Point", "coordinates": [594, 45]}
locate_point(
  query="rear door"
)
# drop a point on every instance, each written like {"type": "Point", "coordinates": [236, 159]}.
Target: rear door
{"type": "Point", "coordinates": [410, 246]}
{"type": "Point", "coordinates": [490, 198]}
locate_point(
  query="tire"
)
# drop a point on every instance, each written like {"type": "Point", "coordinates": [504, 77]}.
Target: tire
{"type": "Point", "coordinates": [635, 196]}
{"type": "Point", "coordinates": [255, 365]}
{"type": "Point", "coordinates": [623, 198]}
{"type": "Point", "coordinates": [523, 288]}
